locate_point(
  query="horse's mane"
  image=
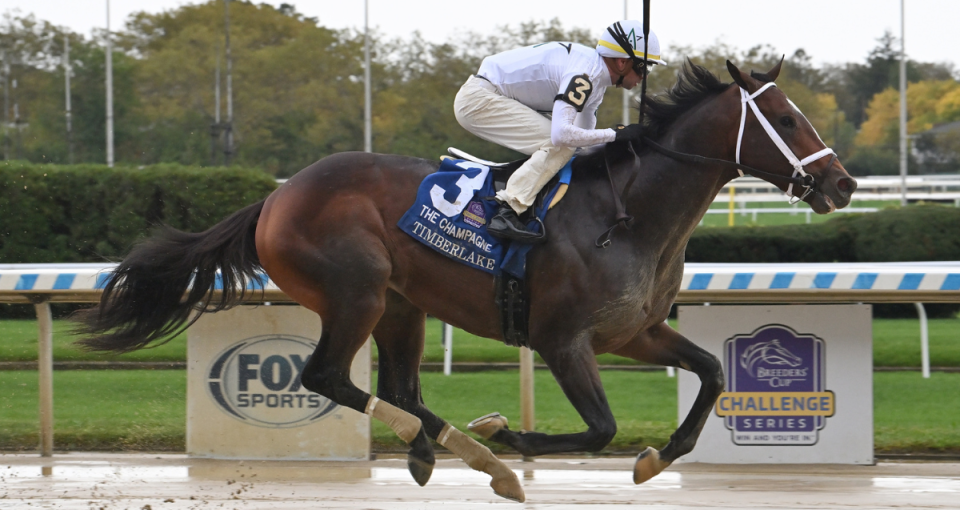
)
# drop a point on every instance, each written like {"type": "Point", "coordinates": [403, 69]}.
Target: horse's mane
{"type": "Point", "coordinates": [694, 84]}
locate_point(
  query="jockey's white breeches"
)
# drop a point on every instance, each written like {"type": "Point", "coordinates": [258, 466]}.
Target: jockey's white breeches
{"type": "Point", "coordinates": [483, 111]}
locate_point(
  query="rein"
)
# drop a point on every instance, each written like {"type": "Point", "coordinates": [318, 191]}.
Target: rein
{"type": "Point", "coordinates": [800, 178]}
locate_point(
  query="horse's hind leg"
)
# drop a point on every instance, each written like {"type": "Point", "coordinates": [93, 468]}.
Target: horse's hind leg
{"type": "Point", "coordinates": [399, 336]}
{"type": "Point", "coordinates": [575, 370]}
{"type": "Point", "coordinates": [662, 345]}
{"type": "Point", "coordinates": [346, 285]}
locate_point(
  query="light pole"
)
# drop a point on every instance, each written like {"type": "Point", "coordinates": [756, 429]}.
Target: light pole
{"type": "Point", "coordinates": [367, 124]}
{"type": "Point", "coordinates": [6, 105]}
{"type": "Point", "coordinates": [903, 108]}
{"type": "Point", "coordinates": [216, 126]}
{"type": "Point", "coordinates": [228, 127]}
{"type": "Point", "coordinates": [109, 91]}
{"type": "Point", "coordinates": [66, 76]}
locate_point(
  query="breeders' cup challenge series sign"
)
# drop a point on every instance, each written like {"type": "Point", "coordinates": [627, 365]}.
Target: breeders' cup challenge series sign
{"type": "Point", "coordinates": [775, 387]}
{"type": "Point", "coordinates": [798, 383]}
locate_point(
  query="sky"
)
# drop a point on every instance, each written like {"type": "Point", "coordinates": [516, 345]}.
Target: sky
{"type": "Point", "coordinates": [831, 31]}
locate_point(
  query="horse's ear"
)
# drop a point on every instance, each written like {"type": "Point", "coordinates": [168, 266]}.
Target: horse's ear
{"type": "Point", "coordinates": [773, 73]}
{"type": "Point", "coordinates": [738, 77]}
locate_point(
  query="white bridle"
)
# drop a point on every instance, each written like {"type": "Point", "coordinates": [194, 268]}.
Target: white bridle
{"type": "Point", "coordinates": [798, 164]}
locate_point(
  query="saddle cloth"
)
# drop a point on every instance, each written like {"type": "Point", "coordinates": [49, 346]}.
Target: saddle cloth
{"type": "Point", "coordinates": [451, 213]}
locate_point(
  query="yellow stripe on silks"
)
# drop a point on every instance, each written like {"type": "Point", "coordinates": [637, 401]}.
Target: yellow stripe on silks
{"type": "Point", "coordinates": [616, 47]}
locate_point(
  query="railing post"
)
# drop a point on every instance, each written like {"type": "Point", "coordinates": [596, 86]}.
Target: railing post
{"type": "Point", "coordinates": [924, 341]}
{"type": "Point", "coordinates": [447, 349]}
{"type": "Point", "coordinates": [45, 370]}
{"type": "Point", "coordinates": [730, 214]}
{"type": "Point", "coordinates": [527, 416]}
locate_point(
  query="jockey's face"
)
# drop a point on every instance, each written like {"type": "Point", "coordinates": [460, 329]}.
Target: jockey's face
{"type": "Point", "coordinates": [631, 79]}
{"type": "Point", "coordinates": [624, 67]}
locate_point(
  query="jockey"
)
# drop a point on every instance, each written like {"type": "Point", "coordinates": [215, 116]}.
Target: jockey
{"type": "Point", "coordinates": [511, 98]}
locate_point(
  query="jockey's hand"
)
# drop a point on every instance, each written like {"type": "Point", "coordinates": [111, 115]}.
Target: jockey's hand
{"type": "Point", "coordinates": [631, 132]}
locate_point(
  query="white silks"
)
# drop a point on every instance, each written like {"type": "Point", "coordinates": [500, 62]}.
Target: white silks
{"type": "Point", "coordinates": [747, 99]}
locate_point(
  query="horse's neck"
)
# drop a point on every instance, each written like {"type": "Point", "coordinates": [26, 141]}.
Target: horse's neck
{"type": "Point", "coordinates": [686, 190]}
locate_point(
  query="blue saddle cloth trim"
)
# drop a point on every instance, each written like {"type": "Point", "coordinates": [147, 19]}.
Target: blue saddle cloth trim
{"type": "Point", "coordinates": [451, 212]}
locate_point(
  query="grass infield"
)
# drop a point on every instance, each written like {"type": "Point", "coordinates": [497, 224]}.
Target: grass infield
{"type": "Point", "coordinates": [145, 410]}
{"type": "Point", "coordinates": [896, 343]}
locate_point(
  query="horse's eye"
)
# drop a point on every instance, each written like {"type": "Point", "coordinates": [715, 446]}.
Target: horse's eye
{"type": "Point", "coordinates": [788, 122]}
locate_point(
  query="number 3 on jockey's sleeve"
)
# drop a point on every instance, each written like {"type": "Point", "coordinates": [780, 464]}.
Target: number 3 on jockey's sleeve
{"type": "Point", "coordinates": [577, 93]}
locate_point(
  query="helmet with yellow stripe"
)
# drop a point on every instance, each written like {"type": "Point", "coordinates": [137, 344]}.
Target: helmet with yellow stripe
{"type": "Point", "coordinates": [630, 33]}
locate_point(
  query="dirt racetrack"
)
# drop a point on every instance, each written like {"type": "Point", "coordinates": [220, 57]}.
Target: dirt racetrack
{"type": "Point", "coordinates": [156, 482]}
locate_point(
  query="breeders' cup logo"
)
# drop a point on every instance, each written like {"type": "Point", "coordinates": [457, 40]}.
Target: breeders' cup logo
{"type": "Point", "coordinates": [474, 214]}
{"type": "Point", "coordinates": [257, 381]}
{"type": "Point", "coordinates": [776, 381]}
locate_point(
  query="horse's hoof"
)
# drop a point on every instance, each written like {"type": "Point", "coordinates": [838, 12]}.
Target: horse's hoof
{"type": "Point", "coordinates": [488, 425]}
{"type": "Point", "coordinates": [508, 487]}
{"type": "Point", "coordinates": [648, 465]}
{"type": "Point", "coordinates": [420, 469]}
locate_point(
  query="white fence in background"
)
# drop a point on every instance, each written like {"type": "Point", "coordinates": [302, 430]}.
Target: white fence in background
{"type": "Point", "coordinates": [939, 188]}
{"type": "Point", "coordinates": [743, 195]}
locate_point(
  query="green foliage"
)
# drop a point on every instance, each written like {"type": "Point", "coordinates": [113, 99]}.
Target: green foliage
{"type": "Point", "coordinates": [89, 213]}
{"type": "Point", "coordinates": [923, 232]}
{"type": "Point", "coordinates": [874, 160]}
{"type": "Point", "coordinates": [915, 233]}
{"type": "Point", "coordinates": [298, 87]}
{"type": "Point", "coordinates": [819, 242]}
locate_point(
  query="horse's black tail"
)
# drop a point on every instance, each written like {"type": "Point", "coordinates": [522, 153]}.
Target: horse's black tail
{"type": "Point", "coordinates": [153, 292]}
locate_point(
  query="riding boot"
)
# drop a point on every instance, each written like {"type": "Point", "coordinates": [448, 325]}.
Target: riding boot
{"type": "Point", "coordinates": [507, 225]}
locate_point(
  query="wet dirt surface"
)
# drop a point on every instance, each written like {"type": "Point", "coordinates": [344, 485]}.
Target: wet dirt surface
{"type": "Point", "coordinates": [155, 482]}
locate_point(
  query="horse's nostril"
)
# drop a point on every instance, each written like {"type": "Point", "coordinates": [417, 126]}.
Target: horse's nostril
{"type": "Point", "coordinates": [846, 185]}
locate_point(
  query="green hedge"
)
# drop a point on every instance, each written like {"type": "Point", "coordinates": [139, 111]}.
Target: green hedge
{"type": "Point", "coordinates": [914, 233]}
{"type": "Point", "coordinates": [92, 213]}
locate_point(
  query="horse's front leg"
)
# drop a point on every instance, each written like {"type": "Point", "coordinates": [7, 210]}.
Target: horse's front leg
{"type": "Point", "coordinates": [662, 345]}
{"type": "Point", "coordinates": [575, 368]}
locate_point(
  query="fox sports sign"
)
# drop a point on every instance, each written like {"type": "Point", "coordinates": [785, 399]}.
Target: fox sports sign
{"type": "Point", "coordinates": [257, 381]}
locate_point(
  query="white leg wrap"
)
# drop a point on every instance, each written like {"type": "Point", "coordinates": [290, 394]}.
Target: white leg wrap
{"type": "Point", "coordinates": [479, 457]}
{"type": "Point", "coordinates": [406, 425]}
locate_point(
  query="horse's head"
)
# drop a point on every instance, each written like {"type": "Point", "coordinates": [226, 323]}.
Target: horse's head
{"type": "Point", "coordinates": [770, 353]}
{"type": "Point", "coordinates": [783, 142]}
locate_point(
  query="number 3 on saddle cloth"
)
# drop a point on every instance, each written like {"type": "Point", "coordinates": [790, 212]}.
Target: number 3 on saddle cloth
{"type": "Point", "coordinates": [450, 215]}
{"type": "Point", "coordinates": [452, 210]}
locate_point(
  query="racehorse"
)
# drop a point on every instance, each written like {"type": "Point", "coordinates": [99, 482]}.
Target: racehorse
{"type": "Point", "coordinates": [328, 238]}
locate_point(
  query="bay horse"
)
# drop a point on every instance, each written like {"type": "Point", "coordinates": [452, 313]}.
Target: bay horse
{"type": "Point", "coordinates": [328, 238]}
